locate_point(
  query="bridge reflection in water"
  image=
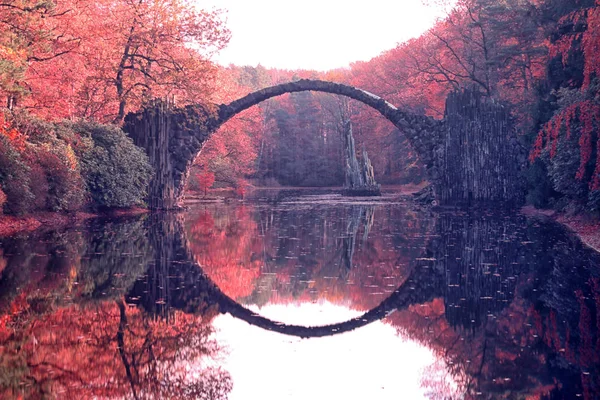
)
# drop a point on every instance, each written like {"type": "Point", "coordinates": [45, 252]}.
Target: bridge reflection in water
{"type": "Point", "coordinates": [508, 304]}
{"type": "Point", "coordinates": [503, 304]}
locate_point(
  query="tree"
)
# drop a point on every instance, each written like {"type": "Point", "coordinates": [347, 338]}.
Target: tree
{"type": "Point", "coordinates": [568, 141]}
{"type": "Point", "coordinates": [127, 52]}
{"type": "Point", "coordinates": [231, 152]}
{"type": "Point", "coordinates": [109, 350]}
{"type": "Point", "coordinates": [497, 47]}
{"type": "Point", "coordinates": [205, 180]}
{"type": "Point", "coordinates": [14, 171]}
{"type": "Point", "coordinates": [28, 34]}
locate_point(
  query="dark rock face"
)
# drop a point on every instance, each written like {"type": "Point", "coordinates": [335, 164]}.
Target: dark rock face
{"type": "Point", "coordinates": [471, 156]}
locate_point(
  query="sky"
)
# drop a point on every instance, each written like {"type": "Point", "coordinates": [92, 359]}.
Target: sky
{"type": "Point", "coordinates": [372, 362]}
{"type": "Point", "coordinates": [317, 34]}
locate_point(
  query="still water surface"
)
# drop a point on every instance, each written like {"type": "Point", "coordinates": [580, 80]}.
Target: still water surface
{"type": "Point", "coordinates": [301, 297]}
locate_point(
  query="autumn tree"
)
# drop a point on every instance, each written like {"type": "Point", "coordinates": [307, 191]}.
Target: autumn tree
{"type": "Point", "coordinates": [77, 349]}
{"type": "Point", "coordinates": [127, 52]}
{"type": "Point", "coordinates": [29, 35]}
{"type": "Point", "coordinates": [567, 141]}
{"type": "Point", "coordinates": [205, 180]}
{"type": "Point", "coordinates": [231, 152]}
{"type": "Point", "coordinates": [483, 43]}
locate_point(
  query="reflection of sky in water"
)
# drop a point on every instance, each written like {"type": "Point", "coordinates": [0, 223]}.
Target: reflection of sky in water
{"type": "Point", "coordinates": [372, 362]}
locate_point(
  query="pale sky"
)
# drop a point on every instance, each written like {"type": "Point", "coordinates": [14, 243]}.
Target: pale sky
{"type": "Point", "coordinates": [317, 34]}
{"type": "Point", "coordinates": [371, 362]}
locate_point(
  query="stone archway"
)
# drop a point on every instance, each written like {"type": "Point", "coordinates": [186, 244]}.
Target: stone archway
{"type": "Point", "coordinates": [470, 156]}
{"type": "Point", "coordinates": [173, 137]}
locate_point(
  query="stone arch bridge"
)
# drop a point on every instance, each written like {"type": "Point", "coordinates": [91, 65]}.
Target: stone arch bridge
{"type": "Point", "coordinates": [470, 156]}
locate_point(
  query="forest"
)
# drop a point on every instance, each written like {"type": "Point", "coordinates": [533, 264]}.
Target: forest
{"type": "Point", "coordinates": [70, 71]}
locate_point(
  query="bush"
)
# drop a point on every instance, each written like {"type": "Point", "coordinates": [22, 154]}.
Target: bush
{"type": "Point", "coordinates": [116, 172]}
{"type": "Point", "coordinates": [55, 167]}
{"type": "Point", "coordinates": [54, 175]}
{"type": "Point", "coordinates": [14, 179]}
{"type": "Point", "coordinates": [64, 187]}
{"type": "Point", "coordinates": [540, 193]}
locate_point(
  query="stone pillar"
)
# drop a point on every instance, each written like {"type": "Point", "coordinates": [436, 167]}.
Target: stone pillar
{"type": "Point", "coordinates": [360, 178]}
{"type": "Point", "coordinates": [172, 138]}
{"type": "Point", "coordinates": [149, 129]}
{"type": "Point", "coordinates": [480, 159]}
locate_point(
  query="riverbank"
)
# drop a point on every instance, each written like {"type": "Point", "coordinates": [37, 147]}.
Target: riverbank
{"type": "Point", "coordinates": [12, 225]}
{"type": "Point", "coordinates": [587, 229]}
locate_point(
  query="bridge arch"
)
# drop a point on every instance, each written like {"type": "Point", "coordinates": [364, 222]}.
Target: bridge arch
{"type": "Point", "coordinates": [184, 131]}
{"type": "Point", "coordinates": [402, 119]}
{"type": "Point", "coordinates": [471, 156]}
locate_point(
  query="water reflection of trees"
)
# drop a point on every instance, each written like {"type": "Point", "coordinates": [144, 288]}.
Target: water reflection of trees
{"type": "Point", "coordinates": [516, 312]}
{"type": "Point", "coordinates": [99, 261]}
{"type": "Point", "coordinates": [108, 350]}
{"type": "Point", "coordinates": [304, 252]}
{"type": "Point", "coordinates": [510, 306]}
{"type": "Point", "coordinates": [65, 331]}
{"type": "Point", "coordinates": [226, 242]}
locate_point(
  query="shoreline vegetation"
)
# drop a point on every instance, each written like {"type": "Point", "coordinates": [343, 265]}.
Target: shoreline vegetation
{"type": "Point", "coordinates": [586, 228]}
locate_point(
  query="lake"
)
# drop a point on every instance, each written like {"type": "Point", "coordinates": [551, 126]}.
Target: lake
{"type": "Point", "coordinates": [295, 296]}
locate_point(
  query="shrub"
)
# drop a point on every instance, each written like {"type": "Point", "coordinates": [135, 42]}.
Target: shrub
{"type": "Point", "coordinates": [14, 179]}
{"type": "Point", "coordinates": [116, 172]}
{"type": "Point", "coordinates": [60, 183]}
{"type": "Point", "coordinates": [54, 175]}
{"type": "Point", "coordinates": [540, 191]}
{"type": "Point", "coordinates": [38, 184]}
{"type": "Point", "coordinates": [55, 167]}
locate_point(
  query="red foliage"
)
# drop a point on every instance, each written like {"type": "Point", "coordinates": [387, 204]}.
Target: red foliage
{"type": "Point", "coordinates": [224, 247]}
{"type": "Point", "coordinates": [241, 188]}
{"type": "Point", "coordinates": [205, 180]}
{"type": "Point", "coordinates": [582, 117]}
{"type": "Point", "coordinates": [108, 56]}
{"type": "Point", "coordinates": [591, 45]}
{"type": "Point", "coordinates": [16, 138]}
{"type": "Point", "coordinates": [231, 152]}
{"type": "Point", "coordinates": [2, 199]}
{"type": "Point", "coordinates": [72, 351]}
